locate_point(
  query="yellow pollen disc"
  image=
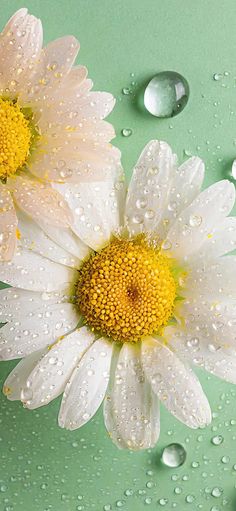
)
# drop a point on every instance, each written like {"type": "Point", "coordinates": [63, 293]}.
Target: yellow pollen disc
{"type": "Point", "coordinates": [15, 137]}
{"type": "Point", "coordinates": [127, 290]}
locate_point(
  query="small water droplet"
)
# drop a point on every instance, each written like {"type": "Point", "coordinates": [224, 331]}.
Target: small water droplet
{"type": "Point", "coordinates": [178, 490]}
{"type": "Point", "coordinates": [217, 76]}
{"type": "Point", "coordinates": [148, 500]}
{"type": "Point", "coordinates": [225, 459]}
{"type": "Point", "coordinates": [166, 94]}
{"type": "Point", "coordinates": [189, 499]}
{"type": "Point", "coordinates": [217, 440]}
{"type": "Point", "coordinates": [216, 492]}
{"type": "Point", "coordinates": [195, 221]}
{"type": "Point", "coordinates": [163, 502]}
{"type": "Point", "coordinates": [126, 91]}
{"type": "Point", "coordinates": [126, 132]}
{"type": "Point", "coordinates": [174, 455]}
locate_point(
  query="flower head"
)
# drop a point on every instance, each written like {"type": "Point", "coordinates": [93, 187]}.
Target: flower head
{"type": "Point", "coordinates": [51, 126]}
{"type": "Point", "coordinates": [120, 307]}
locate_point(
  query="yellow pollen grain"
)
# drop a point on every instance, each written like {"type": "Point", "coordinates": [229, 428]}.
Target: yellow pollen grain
{"type": "Point", "coordinates": [15, 138]}
{"type": "Point", "coordinates": [127, 290]}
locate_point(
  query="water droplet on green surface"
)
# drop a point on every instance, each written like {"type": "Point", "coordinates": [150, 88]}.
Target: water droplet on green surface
{"type": "Point", "coordinates": [167, 94]}
{"type": "Point", "coordinates": [126, 132]}
{"type": "Point", "coordinates": [225, 459]}
{"type": "Point", "coordinates": [217, 440]}
{"type": "Point", "coordinates": [216, 492]}
{"type": "Point", "coordinates": [126, 91]}
{"type": "Point", "coordinates": [190, 498]}
{"type": "Point", "coordinates": [217, 76]}
{"type": "Point", "coordinates": [163, 502]}
{"type": "Point", "coordinates": [178, 490]}
{"type": "Point", "coordinates": [173, 455]}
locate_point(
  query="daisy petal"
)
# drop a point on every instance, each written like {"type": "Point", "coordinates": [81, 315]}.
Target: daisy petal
{"type": "Point", "coordinates": [36, 330]}
{"type": "Point", "coordinates": [196, 222]}
{"type": "Point", "coordinates": [15, 381]}
{"type": "Point", "coordinates": [220, 361]}
{"type": "Point", "coordinates": [74, 160]}
{"type": "Point", "coordinates": [13, 300]}
{"type": "Point", "coordinates": [49, 378]}
{"type": "Point", "coordinates": [96, 211]}
{"type": "Point", "coordinates": [33, 238]}
{"type": "Point", "coordinates": [65, 238]}
{"type": "Point", "coordinates": [175, 385]}
{"type": "Point", "coordinates": [31, 271]}
{"type": "Point", "coordinates": [56, 60]}
{"type": "Point", "coordinates": [184, 187]}
{"type": "Point", "coordinates": [131, 409]}
{"type": "Point", "coordinates": [21, 43]}
{"type": "Point", "coordinates": [149, 186]}
{"type": "Point", "coordinates": [8, 225]}
{"type": "Point", "coordinates": [39, 201]}
{"type": "Point", "coordinates": [87, 386]}
{"type": "Point", "coordinates": [220, 241]}
{"type": "Point", "coordinates": [214, 280]}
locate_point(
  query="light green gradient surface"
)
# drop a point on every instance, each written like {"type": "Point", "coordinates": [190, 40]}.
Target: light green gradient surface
{"type": "Point", "coordinates": [42, 467]}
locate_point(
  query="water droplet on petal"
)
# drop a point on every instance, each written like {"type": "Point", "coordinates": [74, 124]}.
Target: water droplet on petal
{"type": "Point", "coordinates": [166, 94]}
{"type": "Point", "coordinates": [195, 221]}
{"type": "Point", "coordinates": [174, 455]}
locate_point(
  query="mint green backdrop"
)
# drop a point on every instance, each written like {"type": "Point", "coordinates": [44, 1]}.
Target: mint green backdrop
{"type": "Point", "coordinates": [42, 467]}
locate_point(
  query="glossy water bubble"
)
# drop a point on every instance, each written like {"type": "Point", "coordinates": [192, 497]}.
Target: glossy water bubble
{"type": "Point", "coordinates": [217, 440]}
{"type": "Point", "coordinates": [174, 455]}
{"type": "Point", "coordinates": [166, 94]}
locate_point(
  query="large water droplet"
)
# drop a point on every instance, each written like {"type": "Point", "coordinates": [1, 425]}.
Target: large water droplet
{"type": "Point", "coordinates": [174, 455]}
{"type": "Point", "coordinates": [166, 94]}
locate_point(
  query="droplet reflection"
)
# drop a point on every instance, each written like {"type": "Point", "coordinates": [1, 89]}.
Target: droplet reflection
{"type": "Point", "coordinates": [167, 94]}
{"type": "Point", "coordinates": [174, 455]}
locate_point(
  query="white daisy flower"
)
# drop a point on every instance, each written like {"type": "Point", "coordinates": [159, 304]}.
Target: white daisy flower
{"type": "Point", "coordinates": [51, 126]}
{"type": "Point", "coordinates": [120, 311]}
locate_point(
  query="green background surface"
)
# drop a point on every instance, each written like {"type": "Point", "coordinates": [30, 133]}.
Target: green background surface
{"type": "Point", "coordinates": [42, 467]}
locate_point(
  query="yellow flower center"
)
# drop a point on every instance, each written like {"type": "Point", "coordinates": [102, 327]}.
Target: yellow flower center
{"type": "Point", "coordinates": [127, 290]}
{"type": "Point", "coordinates": [15, 138]}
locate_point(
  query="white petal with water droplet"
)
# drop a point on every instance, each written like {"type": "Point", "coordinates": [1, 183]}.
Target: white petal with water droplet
{"type": "Point", "coordinates": [195, 223]}
{"type": "Point", "coordinates": [149, 187]}
{"type": "Point", "coordinates": [33, 238]}
{"type": "Point", "coordinates": [87, 386]}
{"type": "Point", "coordinates": [49, 378]}
{"type": "Point", "coordinates": [36, 329]}
{"type": "Point", "coordinates": [174, 384]}
{"type": "Point", "coordinates": [31, 271]}
{"type": "Point", "coordinates": [131, 409]}
{"type": "Point", "coordinates": [217, 359]}
{"type": "Point", "coordinates": [8, 225]}
{"type": "Point", "coordinates": [16, 380]}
